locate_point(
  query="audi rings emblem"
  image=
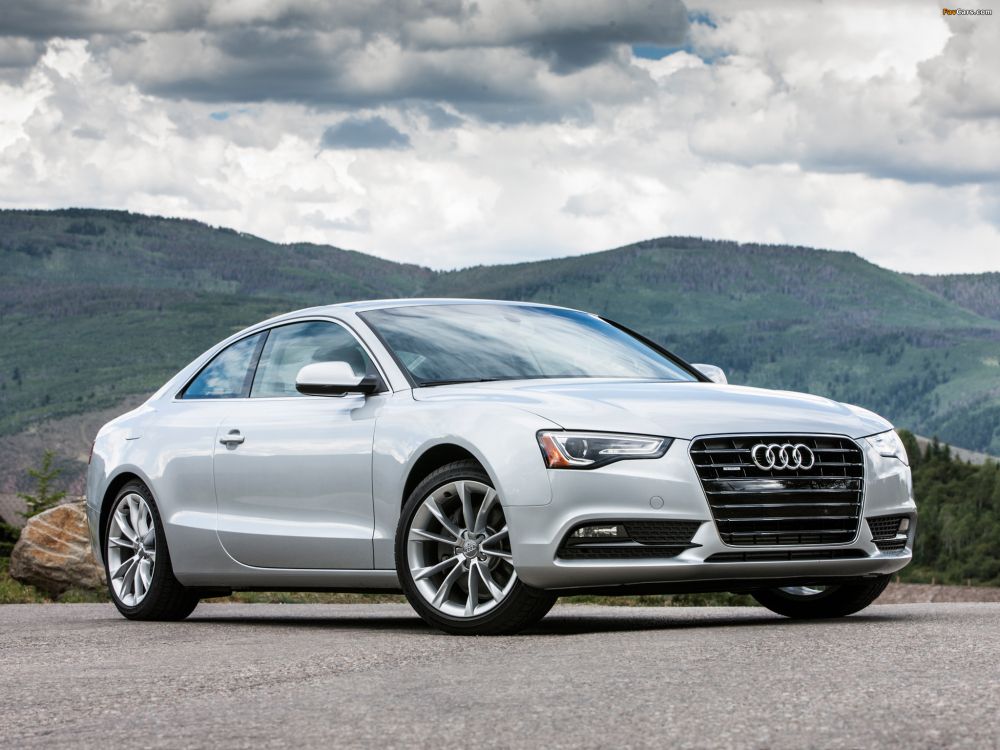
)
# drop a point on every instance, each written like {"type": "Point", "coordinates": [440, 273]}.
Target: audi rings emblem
{"type": "Point", "coordinates": [782, 457]}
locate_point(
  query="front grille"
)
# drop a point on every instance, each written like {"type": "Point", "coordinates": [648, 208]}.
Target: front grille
{"type": "Point", "coordinates": [791, 554]}
{"type": "Point", "coordinates": [885, 527]}
{"type": "Point", "coordinates": [753, 506]}
{"type": "Point", "coordinates": [645, 539]}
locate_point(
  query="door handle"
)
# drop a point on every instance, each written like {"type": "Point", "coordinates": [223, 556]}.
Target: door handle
{"type": "Point", "coordinates": [235, 437]}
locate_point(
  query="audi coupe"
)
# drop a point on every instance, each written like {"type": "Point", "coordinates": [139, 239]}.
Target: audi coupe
{"type": "Point", "coordinates": [486, 458]}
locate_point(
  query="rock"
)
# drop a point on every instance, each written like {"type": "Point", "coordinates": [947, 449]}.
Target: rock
{"type": "Point", "coordinates": [53, 552]}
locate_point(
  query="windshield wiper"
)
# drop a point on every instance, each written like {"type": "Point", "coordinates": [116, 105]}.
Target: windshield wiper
{"type": "Point", "coordinates": [456, 381]}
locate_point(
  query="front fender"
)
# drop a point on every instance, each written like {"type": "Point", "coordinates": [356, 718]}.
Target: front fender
{"type": "Point", "coordinates": [501, 437]}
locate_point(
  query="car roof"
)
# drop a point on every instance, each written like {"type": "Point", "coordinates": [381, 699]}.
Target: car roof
{"type": "Point", "coordinates": [344, 310]}
{"type": "Point", "coordinates": [380, 304]}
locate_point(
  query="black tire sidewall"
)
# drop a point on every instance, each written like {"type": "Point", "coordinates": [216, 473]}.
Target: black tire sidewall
{"type": "Point", "coordinates": [162, 571]}
{"type": "Point", "coordinates": [845, 599]}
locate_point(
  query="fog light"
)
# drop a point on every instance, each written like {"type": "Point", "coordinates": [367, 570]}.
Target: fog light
{"type": "Point", "coordinates": [590, 532]}
{"type": "Point", "coordinates": [904, 526]}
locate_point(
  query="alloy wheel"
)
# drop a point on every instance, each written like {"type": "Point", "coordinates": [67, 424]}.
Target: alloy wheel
{"type": "Point", "coordinates": [458, 549]}
{"type": "Point", "coordinates": [131, 549]}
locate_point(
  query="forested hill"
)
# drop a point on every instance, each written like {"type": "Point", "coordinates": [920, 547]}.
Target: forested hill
{"type": "Point", "coordinates": [979, 292]}
{"type": "Point", "coordinates": [96, 305]}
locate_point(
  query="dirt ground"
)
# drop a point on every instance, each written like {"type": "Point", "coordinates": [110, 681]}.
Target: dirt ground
{"type": "Point", "coordinates": [920, 593]}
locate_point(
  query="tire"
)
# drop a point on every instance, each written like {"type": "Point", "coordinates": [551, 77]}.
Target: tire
{"type": "Point", "coordinates": [832, 601]}
{"type": "Point", "coordinates": [481, 592]}
{"type": "Point", "coordinates": [162, 597]}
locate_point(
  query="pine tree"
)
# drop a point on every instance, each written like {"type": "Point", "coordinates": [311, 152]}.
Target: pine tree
{"type": "Point", "coordinates": [44, 496]}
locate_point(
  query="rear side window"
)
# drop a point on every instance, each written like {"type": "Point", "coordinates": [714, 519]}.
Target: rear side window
{"type": "Point", "coordinates": [228, 374]}
{"type": "Point", "coordinates": [292, 347]}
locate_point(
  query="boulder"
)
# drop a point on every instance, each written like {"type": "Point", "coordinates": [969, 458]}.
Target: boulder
{"type": "Point", "coordinates": [53, 552]}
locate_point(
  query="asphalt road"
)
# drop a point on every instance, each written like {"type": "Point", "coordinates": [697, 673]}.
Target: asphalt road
{"type": "Point", "coordinates": [918, 675]}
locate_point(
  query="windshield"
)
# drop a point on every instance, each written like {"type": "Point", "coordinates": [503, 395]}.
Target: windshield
{"type": "Point", "coordinates": [459, 343]}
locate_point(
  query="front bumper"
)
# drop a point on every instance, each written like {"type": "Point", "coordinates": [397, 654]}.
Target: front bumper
{"type": "Point", "coordinates": [633, 490]}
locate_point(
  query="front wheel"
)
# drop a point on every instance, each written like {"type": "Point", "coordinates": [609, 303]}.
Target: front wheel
{"type": "Point", "coordinates": [820, 602]}
{"type": "Point", "coordinates": [137, 563]}
{"type": "Point", "coordinates": [453, 556]}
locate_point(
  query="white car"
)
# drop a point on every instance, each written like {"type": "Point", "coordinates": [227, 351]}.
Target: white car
{"type": "Point", "coordinates": [485, 458]}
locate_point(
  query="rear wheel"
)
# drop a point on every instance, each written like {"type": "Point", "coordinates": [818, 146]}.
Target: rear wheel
{"type": "Point", "coordinates": [818, 602]}
{"type": "Point", "coordinates": [137, 563]}
{"type": "Point", "coordinates": [453, 556]}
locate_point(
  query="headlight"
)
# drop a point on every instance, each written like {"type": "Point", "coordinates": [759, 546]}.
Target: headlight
{"type": "Point", "coordinates": [888, 444]}
{"type": "Point", "coordinates": [588, 450]}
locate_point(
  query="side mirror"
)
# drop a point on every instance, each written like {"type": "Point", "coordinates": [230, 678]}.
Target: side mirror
{"type": "Point", "coordinates": [713, 373]}
{"type": "Point", "coordinates": [332, 379]}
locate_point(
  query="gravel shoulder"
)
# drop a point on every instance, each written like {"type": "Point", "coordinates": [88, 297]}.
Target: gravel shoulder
{"type": "Point", "coordinates": [925, 593]}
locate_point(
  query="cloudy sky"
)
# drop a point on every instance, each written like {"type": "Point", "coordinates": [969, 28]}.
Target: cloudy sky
{"type": "Point", "coordinates": [456, 132]}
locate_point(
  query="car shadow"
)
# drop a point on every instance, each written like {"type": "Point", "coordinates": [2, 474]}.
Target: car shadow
{"type": "Point", "coordinates": [558, 623]}
{"type": "Point", "coordinates": [562, 624]}
{"type": "Point", "coordinates": [318, 621]}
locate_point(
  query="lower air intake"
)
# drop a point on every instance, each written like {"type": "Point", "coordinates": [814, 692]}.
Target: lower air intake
{"type": "Point", "coordinates": [891, 545]}
{"type": "Point", "coordinates": [885, 527]}
{"type": "Point", "coordinates": [635, 540]}
{"type": "Point", "coordinates": [886, 534]}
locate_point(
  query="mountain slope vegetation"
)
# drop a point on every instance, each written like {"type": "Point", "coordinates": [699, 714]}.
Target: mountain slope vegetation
{"type": "Point", "coordinates": [98, 305]}
{"type": "Point", "coordinates": [958, 529]}
{"type": "Point", "coordinates": [978, 292]}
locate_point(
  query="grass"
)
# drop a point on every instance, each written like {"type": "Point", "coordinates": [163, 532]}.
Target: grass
{"type": "Point", "coordinates": [671, 600]}
{"type": "Point", "coordinates": [13, 592]}
{"type": "Point", "coordinates": [305, 597]}
{"type": "Point", "coordinates": [666, 600]}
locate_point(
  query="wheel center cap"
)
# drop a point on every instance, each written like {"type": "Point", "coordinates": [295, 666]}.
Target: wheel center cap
{"type": "Point", "coordinates": [471, 548]}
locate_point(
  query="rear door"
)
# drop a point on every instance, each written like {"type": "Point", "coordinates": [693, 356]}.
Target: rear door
{"type": "Point", "coordinates": [293, 473]}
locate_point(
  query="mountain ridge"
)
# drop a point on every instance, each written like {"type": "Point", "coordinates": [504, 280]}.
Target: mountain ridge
{"type": "Point", "coordinates": [83, 290]}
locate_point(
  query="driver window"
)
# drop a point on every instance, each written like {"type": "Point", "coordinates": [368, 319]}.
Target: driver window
{"type": "Point", "coordinates": [292, 347]}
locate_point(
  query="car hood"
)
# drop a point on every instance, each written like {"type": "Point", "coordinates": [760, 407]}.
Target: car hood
{"type": "Point", "coordinates": [679, 410]}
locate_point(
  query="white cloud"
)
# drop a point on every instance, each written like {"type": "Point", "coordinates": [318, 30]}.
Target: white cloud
{"type": "Point", "coordinates": [963, 80]}
{"type": "Point", "coordinates": [532, 130]}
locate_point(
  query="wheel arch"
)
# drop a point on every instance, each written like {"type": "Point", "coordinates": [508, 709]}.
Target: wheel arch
{"type": "Point", "coordinates": [411, 439]}
{"type": "Point", "coordinates": [111, 491]}
{"type": "Point", "coordinates": [433, 458]}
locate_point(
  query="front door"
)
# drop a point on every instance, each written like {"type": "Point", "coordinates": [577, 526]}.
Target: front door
{"type": "Point", "coordinates": [293, 473]}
